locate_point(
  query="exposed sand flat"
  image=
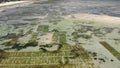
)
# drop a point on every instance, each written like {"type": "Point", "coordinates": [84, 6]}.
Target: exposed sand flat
{"type": "Point", "coordinates": [104, 19]}
{"type": "Point", "coordinates": [45, 38]}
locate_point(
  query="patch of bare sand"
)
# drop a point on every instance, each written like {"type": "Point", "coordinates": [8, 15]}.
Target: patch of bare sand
{"type": "Point", "coordinates": [102, 19]}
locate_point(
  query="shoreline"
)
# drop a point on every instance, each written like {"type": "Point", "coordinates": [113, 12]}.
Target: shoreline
{"type": "Point", "coordinates": [11, 3]}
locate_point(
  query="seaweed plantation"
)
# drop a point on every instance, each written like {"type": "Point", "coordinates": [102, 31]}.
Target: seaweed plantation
{"type": "Point", "coordinates": [111, 49]}
{"type": "Point", "coordinates": [59, 34]}
{"type": "Point", "coordinates": [66, 56]}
